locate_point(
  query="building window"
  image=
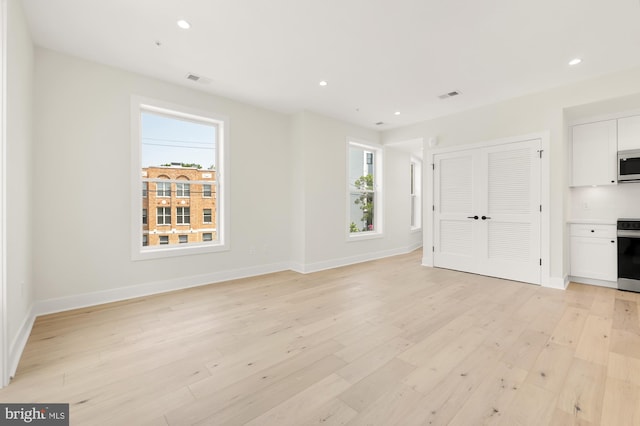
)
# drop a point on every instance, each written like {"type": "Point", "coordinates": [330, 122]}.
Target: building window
{"type": "Point", "coordinates": [144, 216]}
{"type": "Point", "coordinates": [365, 190]}
{"type": "Point", "coordinates": [207, 236]}
{"type": "Point", "coordinates": [206, 216]}
{"type": "Point", "coordinates": [183, 216]}
{"type": "Point", "coordinates": [183, 190]}
{"type": "Point", "coordinates": [416, 193]}
{"type": "Point", "coordinates": [179, 151]}
{"type": "Point", "coordinates": [163, 216]}
{"type": "Point", "coordinates": [164, 239]}
{"type": "Point", "coordinates": [163, 189]}
{"type": "Point", "coordinates": [145, 240]}
{"type": "Point", "coordinates": [183, 239]}
{"type": "Point", "coordinates": [206, 191]}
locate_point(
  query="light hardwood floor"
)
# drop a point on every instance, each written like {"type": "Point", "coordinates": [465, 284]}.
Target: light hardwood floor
{"type": "Point", "coordinates": [380, 343]}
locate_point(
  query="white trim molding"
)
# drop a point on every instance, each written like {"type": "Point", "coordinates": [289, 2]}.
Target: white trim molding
{"type": "Point", "coordinates": [61, 304]}
{"type": "Point", "coordinates": [4, 355]}
{"type": "Point", "coordinates": [20, 342]}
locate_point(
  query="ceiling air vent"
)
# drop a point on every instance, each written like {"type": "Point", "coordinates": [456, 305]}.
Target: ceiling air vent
{"type": "Point", "coordinates": [379, 123]}
{"type": "Point", "coordinates": [198, 78]}
{"type": "Point", "coordinates": [193, 77]}
{"type": "Point", "coordinates": [449, 95]}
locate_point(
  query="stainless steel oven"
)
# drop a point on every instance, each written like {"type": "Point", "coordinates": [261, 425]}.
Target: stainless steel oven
{"type": "Point", "coordinates": [629, 254]}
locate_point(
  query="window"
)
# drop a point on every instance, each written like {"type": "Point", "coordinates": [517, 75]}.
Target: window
{"type": "Point", "coordinates": [415, 193]}
{"type": "Point", "coordinates": [364, 193]}
{"type": "Point", "coordinates": [206, 191]}
{"type": "Point", "coordinates": [183, 216]}
{"type": "Point", "coordinates": [178, 152]}
{"type": "Point", "coordinates": [145, 240]}
{"type": "Point", "coordinates": [207, 236]}
{"type": "Point", "coordinates": [163, 189]}
{"type": "Point", "coordinates": [206, 216]}
{"type": "Point", "coordinates": [144, 216]}
{"type": "Point", "coordinates": [164, 239]}
{"type": "Point", "coordinates": [163, 216]}
{"type": "Point", "coordinates": [183, 190]}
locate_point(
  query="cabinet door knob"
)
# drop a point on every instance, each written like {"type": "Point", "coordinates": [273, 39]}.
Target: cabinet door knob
{"type": "Point", "coordinates": [612, 241]}
{"type": "Point", "coordinates": [593, 230]}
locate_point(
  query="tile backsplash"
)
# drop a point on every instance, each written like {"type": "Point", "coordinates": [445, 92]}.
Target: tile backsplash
{"type": "Point", "coordinates": [605, 202]}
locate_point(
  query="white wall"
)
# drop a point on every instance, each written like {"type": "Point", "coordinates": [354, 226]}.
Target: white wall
{"type": "Point", "coordinates": [20, 66]}
{"type": "Point", "coordinates": [81, 173]}
{"type": "Point", "coordinates": [528, 114]}
{"type": "Point", "coordinates": [322, 237]}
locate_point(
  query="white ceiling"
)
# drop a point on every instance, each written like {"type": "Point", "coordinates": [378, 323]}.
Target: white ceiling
{"type": "Point", "coordinates": [379, 56]}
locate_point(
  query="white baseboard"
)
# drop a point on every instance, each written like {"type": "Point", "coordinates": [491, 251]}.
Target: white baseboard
{"type": "Point", "coordinates": [345, 261]}
{"type": "Point", "coordinates": [20, 341]}
{"type": "Point", "coordinates": [591, 281]}
{"type": "Point", "coordinates": [50, 306]}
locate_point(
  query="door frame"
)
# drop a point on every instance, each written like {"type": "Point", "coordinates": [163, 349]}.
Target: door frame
{"type": "Point", "coordinates": [545, 195]}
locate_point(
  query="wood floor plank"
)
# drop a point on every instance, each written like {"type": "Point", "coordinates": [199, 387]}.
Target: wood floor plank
{"type": "Point", "coordinates": [378, 343]}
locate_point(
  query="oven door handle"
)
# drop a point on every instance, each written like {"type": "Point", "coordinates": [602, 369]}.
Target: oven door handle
{"type": "Point", "coordinates": [629, 234]}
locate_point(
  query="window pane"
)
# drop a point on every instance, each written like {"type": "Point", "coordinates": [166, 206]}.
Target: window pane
{"type": "Point", "coordinates": [207, 236]}
{"type": "Point", "coordinates": [181, 151]}
{"type": "Point", "coordinates": [361, 189]}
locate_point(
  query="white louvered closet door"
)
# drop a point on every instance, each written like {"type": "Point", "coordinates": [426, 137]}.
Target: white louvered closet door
{"type": "Point", "coordinates": [500, 185]}
{"type": "Point", "coordinates": [455, 234]}
{"type": "Point", "coordinates": [511, 229]}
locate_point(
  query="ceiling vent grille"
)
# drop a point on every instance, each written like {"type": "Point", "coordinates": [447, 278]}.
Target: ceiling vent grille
{"type": "Point", "coordinates": [193, 77]}
{"type": "Point", "coordinates": [379, 123]}
{"type": "Point", "coordinates": [449, 95]}
{"type": "Point", "coordinates": [198, 78]}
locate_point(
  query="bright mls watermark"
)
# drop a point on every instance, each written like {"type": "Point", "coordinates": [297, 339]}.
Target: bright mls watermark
{"type": "Point", "coordinates": [34, 414]}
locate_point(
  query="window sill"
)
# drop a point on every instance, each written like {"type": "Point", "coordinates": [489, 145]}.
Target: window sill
{"type": "Point", "coordinates": [359, 236]}
{"type": "Point", "coordinates": [148, 253]}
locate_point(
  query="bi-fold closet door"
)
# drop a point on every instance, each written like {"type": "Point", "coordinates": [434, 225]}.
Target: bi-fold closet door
{"type": "Point", "coordinates": [487, 210]}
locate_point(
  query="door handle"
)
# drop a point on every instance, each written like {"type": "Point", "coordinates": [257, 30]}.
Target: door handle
{"type": "Point", "coordinates": [485, 217]}
{"type": "Point", "coordinates": [472, 217]}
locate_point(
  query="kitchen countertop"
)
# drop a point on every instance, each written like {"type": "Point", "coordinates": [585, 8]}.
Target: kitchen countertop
{"type": "Point", "coordinates": [593, 221]}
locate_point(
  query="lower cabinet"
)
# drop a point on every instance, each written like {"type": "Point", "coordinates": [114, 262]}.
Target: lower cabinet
{"type": "Point", "coordinates": [594, 252]}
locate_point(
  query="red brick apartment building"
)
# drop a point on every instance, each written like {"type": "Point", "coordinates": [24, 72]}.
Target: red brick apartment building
{"type": "Point", "coordinates": [178, 205]}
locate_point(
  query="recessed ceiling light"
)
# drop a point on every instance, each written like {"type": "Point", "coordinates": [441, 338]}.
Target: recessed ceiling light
{"type": "Point", "coordinates": [575, 61]}
{"type": "Point", "coordinates": [183, 24]}
{"type": "Point", "coordinates": [396, 113]}
{"type": "Point", "coordinates": [323, 83]}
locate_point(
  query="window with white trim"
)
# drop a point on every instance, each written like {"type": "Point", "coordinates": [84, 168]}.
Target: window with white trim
{"type": "Point", "coordinates": [206, 216]}
{"type": "Point", "coordinates": [183, 190]}
{"type": "Point", "coordinates": [206, 191]}
{"type": "Point", "coordinates": [364, 189]}
{"type": "Point", "coordinates": [163, 189]}
{"type": "Point", "coordinates": [180, 161]}
{"type": "Point", "coordinates": [163, 216]}
{"type": "Point", "coordinates": [183, 215]}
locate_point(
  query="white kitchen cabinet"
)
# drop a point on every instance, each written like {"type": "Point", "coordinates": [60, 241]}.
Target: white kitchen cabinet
{"type": "Point", "coordinates": [594, 251]}
{"type": "Point", "coordinates": [629, 133]}
{"type": "Point", "coordinates": [594, 153]}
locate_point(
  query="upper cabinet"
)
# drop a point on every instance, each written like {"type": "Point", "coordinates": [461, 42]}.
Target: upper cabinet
{"type": "Point", "coordinates": [595, 148]}
{"type": "Point", "coordinates": [629, 133]}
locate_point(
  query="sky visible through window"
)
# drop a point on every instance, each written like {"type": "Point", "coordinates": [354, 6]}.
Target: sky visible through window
{"type": "Point", "coordinates": [171, 140]}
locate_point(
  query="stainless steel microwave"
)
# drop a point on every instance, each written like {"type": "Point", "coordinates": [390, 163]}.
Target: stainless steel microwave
{"type": "Point", "coordinates": [629, 165]}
